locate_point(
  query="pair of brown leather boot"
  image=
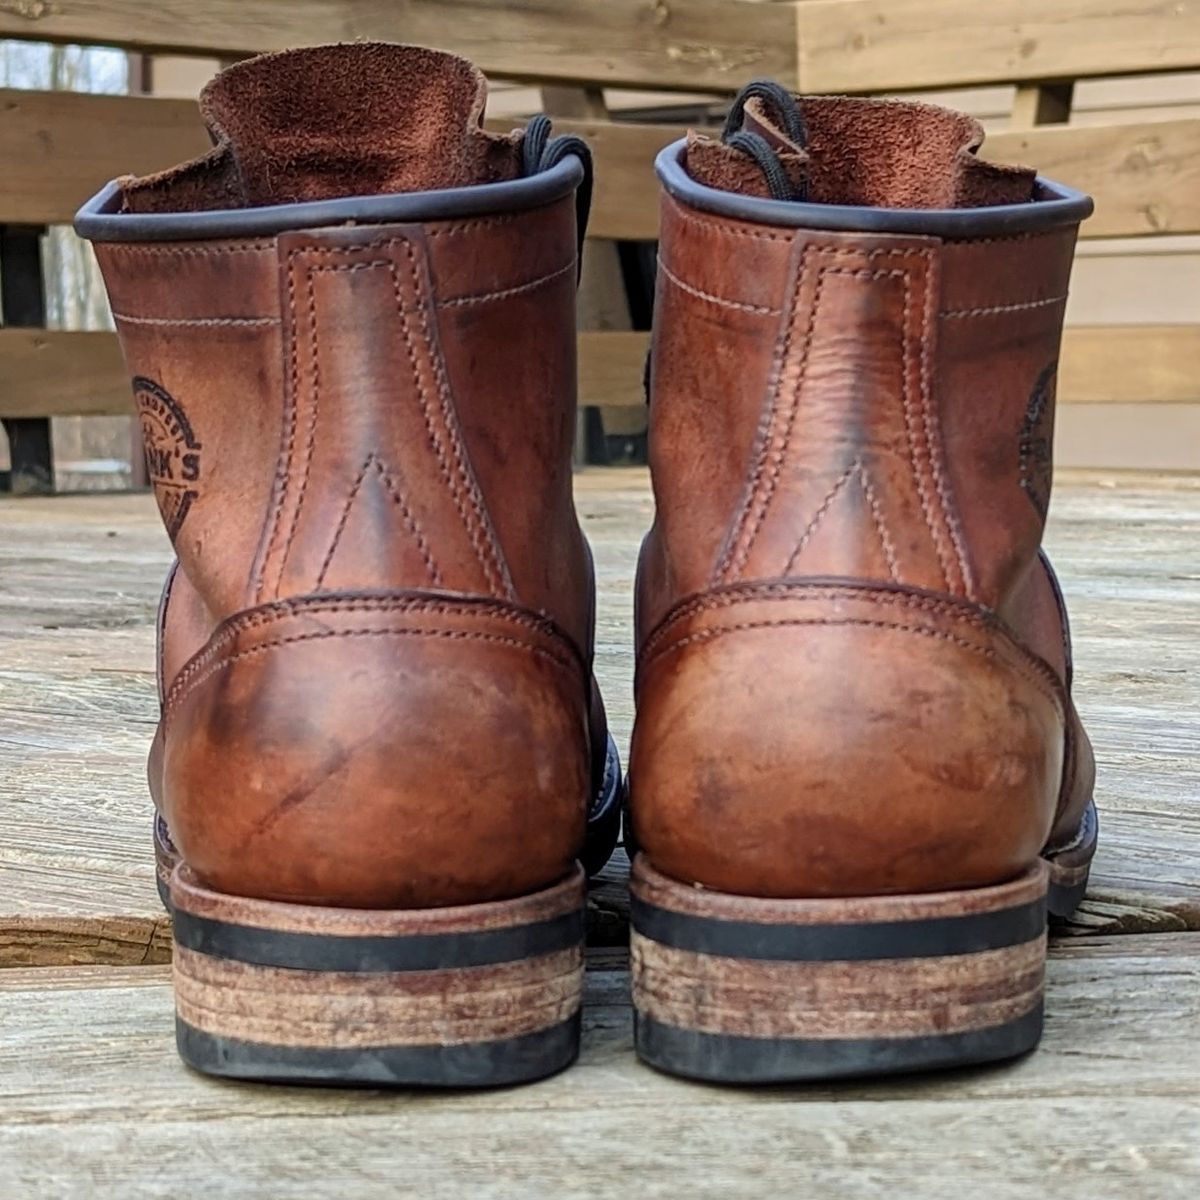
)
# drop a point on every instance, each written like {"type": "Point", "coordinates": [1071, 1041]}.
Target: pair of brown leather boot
{"type": "Point", "coordinates": [383, 770]}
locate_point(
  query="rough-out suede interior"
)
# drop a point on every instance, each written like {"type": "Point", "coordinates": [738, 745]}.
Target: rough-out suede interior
{"type": "Point", "coordinates": [334, 121]}
{"type": "Point", "coordinates": [879, 153]}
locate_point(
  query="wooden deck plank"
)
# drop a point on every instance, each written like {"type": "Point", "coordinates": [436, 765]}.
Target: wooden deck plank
{"type": "Point", "coordinates": [95, 1103]}
{"type": "Point", "coordinates": [79, 581]}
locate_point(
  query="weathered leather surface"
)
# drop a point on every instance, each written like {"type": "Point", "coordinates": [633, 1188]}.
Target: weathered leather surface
{"type": "Point", "coordinates": [853, 670]}
{"type": "Point", "coordinates": [376, 649]}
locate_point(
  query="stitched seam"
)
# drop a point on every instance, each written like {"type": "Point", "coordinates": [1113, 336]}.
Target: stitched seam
{"type": "Point", "coordinates": [176, 698]}
{"type": "Point", "coordinates": [169, 251]}
{"type": "Point", "coordinates": [933, 434]}
{"type": "Point", "coordinates": [435, 576]}
{"type": "Point", "coordinates": [705, 635]}
{"type": "Point", "coordinates": [889, 550]}
{"type": "Point", "coordinates": [956, 313]}
{"type": "Point", "coordinates": [910, 431]}
{"type": "Point", "coordinates": [283, 609]}
{"type": "Point", "coordinates": [482, 536]}
{"type": "Point", "coordinates": [730, 231]}
{"type": "Point", "coordinates": [757, 309]}
{"type": "Point", "coordinates": [310, 439]}
{"type": "Point", "coordinates": [478, 223]}
{"type": "Point", "coordinates": [1002, 239]}
{"type": "Point", "coordinates": [199, 322]}
{"type": "Point", "coordinates": [517, 290]}
{"type": "Point", "coordinates": [769, 592]}
{"type": "Point", "coordinates": [283, 470]}
{"type": "Point", "coordinates": [760, 495]}
{"type": "Point", "coordinates": [819, 515]}
{"type": "Point", "coordinates": [432, 573]}
{"type": "Point", "coordinates": [760, 492]}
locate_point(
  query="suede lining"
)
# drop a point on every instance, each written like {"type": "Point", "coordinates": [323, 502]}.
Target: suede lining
{"type": "Point", "coordinates": [359, 119]}
{"type": "Point", "coordinates": [876, 153]}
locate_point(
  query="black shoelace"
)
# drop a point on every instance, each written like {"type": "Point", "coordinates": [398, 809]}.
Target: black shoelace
{"type": "Point", "coordinates": [785, 111]}
{"type": "Point", "coordinates": [540, 152]}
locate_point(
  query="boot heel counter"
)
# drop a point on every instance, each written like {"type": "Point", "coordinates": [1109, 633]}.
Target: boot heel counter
{"type": "Point", "coordinates": [825, 742]}
{"type": "Point", "coordinates": [384, 751]}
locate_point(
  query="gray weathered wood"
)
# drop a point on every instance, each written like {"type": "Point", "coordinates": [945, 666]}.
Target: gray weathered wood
{"type": "Point", "coordinates": [79, 581]}
{"type": "Point", "coordinates": [95, 1103]}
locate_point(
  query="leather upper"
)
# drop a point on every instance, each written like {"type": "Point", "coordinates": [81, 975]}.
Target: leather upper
{"type": "Point", "coordinates": [376, 647]}
{"type": "Point", "coordinates": [853, 667]}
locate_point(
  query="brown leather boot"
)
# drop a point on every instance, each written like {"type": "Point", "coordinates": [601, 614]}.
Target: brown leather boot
{"type": "Point", "coordinates": [856, 768]}
{"type": "Point", "coordinates": [351, 332]}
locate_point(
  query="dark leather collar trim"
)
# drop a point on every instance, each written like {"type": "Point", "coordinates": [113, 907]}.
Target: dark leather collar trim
{"type": "Point", "coordinates": [100, 220]}
{"type": "Point", "coordinates": [1055, 206]}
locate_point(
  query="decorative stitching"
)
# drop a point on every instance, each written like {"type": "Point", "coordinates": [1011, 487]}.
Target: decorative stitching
{"type": "Point", "coordinates": [706, 635]}
{"type": "Point", "coordinates": [283, 470]}
{"type": "Point", "coordinates": [313, 414]}
{"type": "Point", "coordinates": [490, 557]}
{"type": "Point", "coordinates": [410, 521]}
{"type": "Point", "coordinates": [168, 250]}
{"type": "Point", "coordinates": [756, 309]}
{"type": "Point", "coordinates": [703, 635]}
{"type": "Point", "coordinates": [933, 442]}
{"type": "Point", "coordinates": [176, 698]}
{"type": "Point", "coordinates": [761, 235]}
{"type": "Point", "coordinates": [910, 427]}
{"type": "Point", "coordinates": [296, 606]}
{"type": "Point", "coordinates": [477, 223]}
{"type": "Point", "coordinates": [819, 515]}
{"type": "Point", "coordinates": [504, 293]}
{"type": "Point", "coordinates": [749, 593]}
{"type": "Point", "coordinates": [759, 494]}
{"type": "Point", "coordinates": [199, 322]}
{"type": "Point", "coordinates": [958, 313]}
{"type": "Point", "coordinates": [889, 550]}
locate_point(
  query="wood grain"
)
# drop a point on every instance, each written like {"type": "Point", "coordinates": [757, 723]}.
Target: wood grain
{"type": "Point", "coordinates": [96, 1104]}
{"type": "Point", "coordinates": [1144, 177]}
{"type": "Point", "coordinates": [59, 148]}
{"type": "Point", "coordinates": [878, 45]}
{"type": "Point", "coordinates": [687, 44]}
{"type": "Point", "coordinates": [47, 372]}
{"type": "Point", "coordinates": [79, 582]}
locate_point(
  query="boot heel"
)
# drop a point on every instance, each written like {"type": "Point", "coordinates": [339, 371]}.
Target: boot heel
{"type": "Point", "coordinates": [478, 995]}
{"type": "Point", "coordinates": [739, 989]}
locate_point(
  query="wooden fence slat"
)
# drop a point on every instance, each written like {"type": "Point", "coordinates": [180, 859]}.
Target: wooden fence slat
{"type": "Point", "coordinates": [879, 45]}
{"type": "Point", "coordinates": [818, 45]}
{"type": "Point", "coordinates": [56, 373]}
{"type": "Point", "coordinates": [52, 373]}
{"type": "Point", "coordinates": [682, 44]}
{"type": "Point", "coordinates": [1145, 177]}
{"type": "Point", "coordinates": [59, 147]}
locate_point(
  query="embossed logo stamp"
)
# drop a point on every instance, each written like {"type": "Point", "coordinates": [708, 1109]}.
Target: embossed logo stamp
{"type": "Point", "coordinates": [1037, 438]}
{"type": "Point", "coordinates": [172, 451]}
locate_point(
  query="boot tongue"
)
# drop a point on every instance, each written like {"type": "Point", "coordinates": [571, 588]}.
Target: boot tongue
{"type": "Point", "coordinates": [872, 153]}
{"type": "Point", "coordinates": [354, 120]}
